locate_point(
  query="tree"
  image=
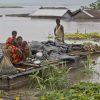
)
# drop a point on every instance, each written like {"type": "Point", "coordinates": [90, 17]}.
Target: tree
{"type": "Point", "coordinates": [95, 5]}
{"type": "Point", "coordinates": [98, 4]}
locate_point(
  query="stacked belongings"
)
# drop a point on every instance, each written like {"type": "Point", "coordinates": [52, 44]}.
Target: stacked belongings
{"type": "Point", "coordinates": [54, 50]}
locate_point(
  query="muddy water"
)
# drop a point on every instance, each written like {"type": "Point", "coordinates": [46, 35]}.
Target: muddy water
{"type": "Point", "coordinates": [78, 74]}
{"type": "Point", "coordinates": [23, 93]}
{"type": "Point", "coordinates": [75, 76]}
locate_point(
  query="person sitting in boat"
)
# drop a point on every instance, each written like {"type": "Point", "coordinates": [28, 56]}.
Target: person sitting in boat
{"type": "Point", "coordinates": [11, 45]}
{"type": "Point", "coordinates": [59, 32]}
{"type": "Point", "coordinates": [19, 42]}
{"type": "Point", "coordinates": [23, 46]}
{"type": "Point", "coordinates": [25, 50]}
{"type": "Point", "coordinates": [12, 40]}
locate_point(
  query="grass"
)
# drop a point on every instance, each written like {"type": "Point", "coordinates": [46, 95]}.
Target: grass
{"type": "Point", "coordinates": [88, 65]}
{"type": "Point", "coordinates": [50, 78]}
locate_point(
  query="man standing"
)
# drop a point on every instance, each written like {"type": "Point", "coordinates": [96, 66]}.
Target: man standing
{"type": "Point", "coordinates": [59, 32]}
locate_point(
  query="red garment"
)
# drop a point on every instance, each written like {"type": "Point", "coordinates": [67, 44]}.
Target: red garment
{"type": "Point", "coordinates": [15, 53]}
{"type": "Point", "coordinates": [10, 40]}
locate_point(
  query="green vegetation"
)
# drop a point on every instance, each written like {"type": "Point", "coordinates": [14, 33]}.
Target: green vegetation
{"type": "Point", "coordinates": [82, 36]}
{"type": "Point", "coordinates": [50, 37]}
{"type": "Point", "coordinates": [95, 5]}
{"type": "Point", "coordinates": [81, 91]}
{"type": "Point", "coordinates": [50, 77]}
{"type": "Point", "coordinates": [88, 65]}
{"type": "Point", "coordinates": [52, 83]}
{"type": "Point", "coordinates": [98, 4]}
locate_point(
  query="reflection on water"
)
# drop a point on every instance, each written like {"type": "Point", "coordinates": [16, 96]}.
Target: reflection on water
{"type": "Point", "coordinates": [81, 42]}
{"type": "Point", "coordinates": [78, 75]}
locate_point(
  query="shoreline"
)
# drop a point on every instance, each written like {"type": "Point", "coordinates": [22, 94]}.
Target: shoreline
{"type": "Point", "coordinates": [11, 7]}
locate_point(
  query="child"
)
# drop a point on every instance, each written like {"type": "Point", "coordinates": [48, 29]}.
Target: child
{"type": "Point", "coordinates": [25, 50]}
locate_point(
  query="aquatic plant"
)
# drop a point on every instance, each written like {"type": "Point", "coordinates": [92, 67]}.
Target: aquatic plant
{"type": "Point", "coordinates": [82, 36]}
{"type": "Point", "coordinates": [50, 37]}
{"type": "Point", "coordinates": [80, 91]}
{"type": "Point", "coordinates": [50, 77]}
{"type": "Point", "coordinates": [88, 65]}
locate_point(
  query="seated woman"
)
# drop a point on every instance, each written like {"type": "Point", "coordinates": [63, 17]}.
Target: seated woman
{"type": "Point", "coordinates": [25, 50]}
{"type": "Point", "coordinates": [11, 46]}
{"type": "Point", "coordinates": [19, 42]}
{"type": "Point", "coordinates": [23, 46]}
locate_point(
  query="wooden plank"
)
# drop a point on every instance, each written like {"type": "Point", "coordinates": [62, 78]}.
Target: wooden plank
{"type": "Point", "coordinates": [28, 64]}
{"type": "Point", "coordinates": [80, 53]}
{"type": "Point", "coordinates": [21, 69]}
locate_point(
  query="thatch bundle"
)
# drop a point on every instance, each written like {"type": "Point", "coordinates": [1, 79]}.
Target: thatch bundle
{"type": "Point", "coordinates": [90, 47]}
{"type": "Point", "coordinates": [6, 67]}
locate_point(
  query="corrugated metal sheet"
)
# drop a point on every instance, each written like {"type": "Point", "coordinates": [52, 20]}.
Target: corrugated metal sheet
{"type": "Point", "coordinates": [94, 13]}
{"type": "Point", "coordinates": [87, 13]}
{"type": "Point", "coordinates": [49, 12]}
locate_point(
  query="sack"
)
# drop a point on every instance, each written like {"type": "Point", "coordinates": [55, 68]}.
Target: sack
{"type": "Point", "coordinates": [6, 67]}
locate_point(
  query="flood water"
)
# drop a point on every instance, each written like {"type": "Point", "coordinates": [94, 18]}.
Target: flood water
{"type": "Point", "coordinates": [74, 76]}
{"type": "Point", "coordinates": [38, 29]}
{"type": "Point", "coordinates": [79, 75]}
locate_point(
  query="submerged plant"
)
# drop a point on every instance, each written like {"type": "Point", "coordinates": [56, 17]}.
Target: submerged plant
{"type": "Point", "coordinates": [88, 65]}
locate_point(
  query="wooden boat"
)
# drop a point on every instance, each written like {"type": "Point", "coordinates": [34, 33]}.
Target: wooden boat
{"type": "Point", "coordinates": [24, 70]}
{"type": "Point", "coordinates": [20, 79]}
{"type": "Point", "coordinates": [8, 82]}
